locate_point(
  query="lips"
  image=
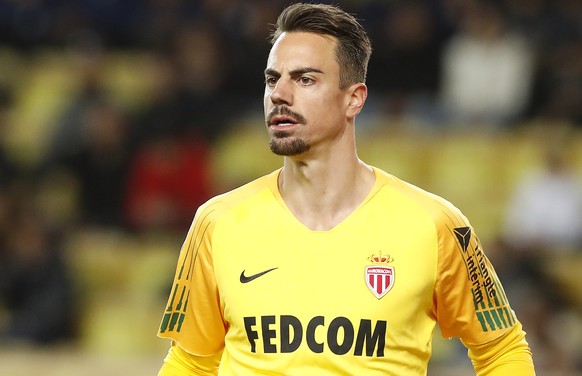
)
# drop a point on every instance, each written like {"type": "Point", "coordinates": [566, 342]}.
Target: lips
{"type": "Point", "coordinates": [282, 117]}
{"type": "Point", "coordinates": [282, 121]}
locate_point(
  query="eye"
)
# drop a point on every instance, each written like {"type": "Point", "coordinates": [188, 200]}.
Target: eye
{"type": "Point", "coordinates": [305, 81]}
{"type": "Point", "coordinates": [270, 81]}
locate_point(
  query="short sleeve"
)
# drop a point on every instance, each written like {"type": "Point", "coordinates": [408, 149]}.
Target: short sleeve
{"type": "Point", "coordinates": [469, 298]}
{"type": "Point", "coordinates": [193, 316]}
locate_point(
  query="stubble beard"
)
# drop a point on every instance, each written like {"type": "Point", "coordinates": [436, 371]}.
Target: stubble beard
{"type": "Point", "coordinates": [285, 145]}
{"type": "Point", "coordinates": [282, 142]}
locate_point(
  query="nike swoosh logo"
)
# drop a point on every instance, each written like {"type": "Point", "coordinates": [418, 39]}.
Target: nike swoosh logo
{"type": "Point", "coordinates": [247, 279]}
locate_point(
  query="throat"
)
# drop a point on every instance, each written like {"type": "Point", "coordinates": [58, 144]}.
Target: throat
{"type": "Point", "coordinates": [318, 221]}
{"type": "Point", "coordinates": [321, 200]}
{"type": "Point", "coordinates": [323, 212]}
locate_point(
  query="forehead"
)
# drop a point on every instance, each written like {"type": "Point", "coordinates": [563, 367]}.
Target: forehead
{"type": "Point", "coordinates": [300, 49]}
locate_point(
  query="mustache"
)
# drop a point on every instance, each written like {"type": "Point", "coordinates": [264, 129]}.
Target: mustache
{"type": "Point", "coordinates": [284, 110]}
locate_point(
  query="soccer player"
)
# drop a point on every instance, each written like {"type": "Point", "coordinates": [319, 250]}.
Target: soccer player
{"type": "Point", "coordinates": [329, 266]}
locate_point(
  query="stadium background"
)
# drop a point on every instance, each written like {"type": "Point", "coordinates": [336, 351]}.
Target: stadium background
{"type": "Point", "coordinates": [119, 117]}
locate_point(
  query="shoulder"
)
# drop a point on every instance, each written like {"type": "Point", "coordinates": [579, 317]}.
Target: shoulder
{"type": "Point", "coordinates": [219, 206]}
{"type": "Point", "coordinates": [438, 209]}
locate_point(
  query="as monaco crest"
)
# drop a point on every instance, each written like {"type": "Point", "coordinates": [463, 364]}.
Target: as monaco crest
{"type": "Point", "coordinates": [380, 276]}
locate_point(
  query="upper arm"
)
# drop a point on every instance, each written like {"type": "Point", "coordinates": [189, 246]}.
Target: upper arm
{"type": "Point", "coordinates": [508, 355]}
{"type": "Point", "coordinates": [179, 362]}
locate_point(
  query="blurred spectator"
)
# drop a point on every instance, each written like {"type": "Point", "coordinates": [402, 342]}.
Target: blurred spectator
{"type": "Point", "coordinates": [558, 90]}
{"type": "Point", "coordinates": [36, 294]}
{"type": "Point", "coordinates": [487, 69]}
{"type": "Point", "coordinates": [554, 30]}
{"type": "Point", "coordinates": [405, 68]}
{"type": "Point", "coordinates": [99, 165]}
{"type": "Point", "coordinates": [168, 179]}
{"type": "Point", "coordinates": [543, 225]}
{"type": "Point", "coordinates": [188, 80]}
{"type": "Point", "coordinates": [546, 208]}
{"type": "Point", "coordinates": [71, 127]}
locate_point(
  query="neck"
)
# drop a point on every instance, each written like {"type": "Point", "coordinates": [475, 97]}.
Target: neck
{"type": "Point", "coordinates": [322, 192]}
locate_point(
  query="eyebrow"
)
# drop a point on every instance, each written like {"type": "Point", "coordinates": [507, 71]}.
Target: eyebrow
{"type": "Point", "coordinates": [293, 73]}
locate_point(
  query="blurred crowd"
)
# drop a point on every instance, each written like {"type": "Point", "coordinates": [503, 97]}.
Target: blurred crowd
{"type": "Point", "coordinates": [497, 61]}
{"type": "Point", "coordinates": [440, 66]}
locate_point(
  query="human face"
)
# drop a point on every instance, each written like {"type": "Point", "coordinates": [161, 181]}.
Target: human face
{"type": "Point", "coordinates": [304, 105]}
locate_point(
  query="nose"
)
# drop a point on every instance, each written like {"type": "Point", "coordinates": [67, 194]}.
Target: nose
{"type": "Point", "coordinates": [281, 93]}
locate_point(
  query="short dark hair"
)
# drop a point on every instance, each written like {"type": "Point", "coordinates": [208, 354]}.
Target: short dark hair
{"type": "Point", "coordinates": [353, 48]}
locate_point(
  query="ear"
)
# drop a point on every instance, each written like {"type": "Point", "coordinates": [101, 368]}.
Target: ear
{"type": "Point", "coordinates": [357, 94]}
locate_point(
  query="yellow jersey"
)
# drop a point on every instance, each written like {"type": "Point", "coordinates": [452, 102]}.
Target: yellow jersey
{"type": "Point", "coordinates": [276, 298]}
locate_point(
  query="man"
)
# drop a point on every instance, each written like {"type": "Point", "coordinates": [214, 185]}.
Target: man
{"type": "Point", "coordinates": [329, 266]}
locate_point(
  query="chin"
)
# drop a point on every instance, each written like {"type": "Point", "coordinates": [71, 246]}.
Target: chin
{"type": "Point", "coordinates": [288, 147]}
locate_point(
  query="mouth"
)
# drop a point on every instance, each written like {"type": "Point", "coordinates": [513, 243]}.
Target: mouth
{"type": "Point", "coordinates": [282, 121]}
